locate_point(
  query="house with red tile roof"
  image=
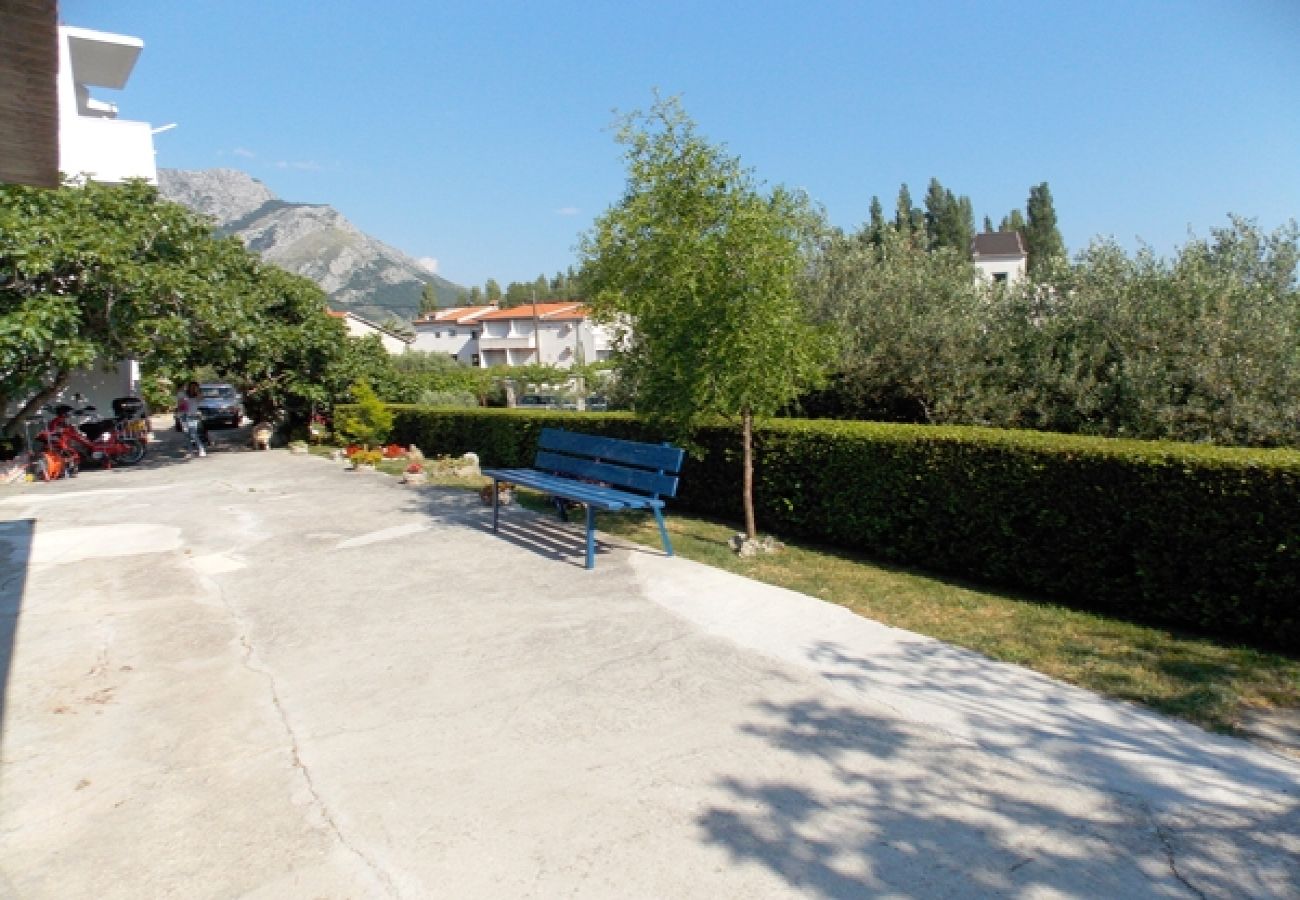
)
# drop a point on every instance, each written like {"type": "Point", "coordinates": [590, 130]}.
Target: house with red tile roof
{"type": "Point", "coordinates": [454, 331]}
{"type": "Point", "coordinates": [554, 334]}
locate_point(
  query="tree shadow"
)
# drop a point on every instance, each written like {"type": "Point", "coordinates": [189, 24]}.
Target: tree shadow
{"type": "Point", "coordinates": [16, 539]}
{"type": "Point", "coordinates": [1059, 803]}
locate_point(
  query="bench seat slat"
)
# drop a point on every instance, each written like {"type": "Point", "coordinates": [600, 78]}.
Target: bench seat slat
{"type": "Point", "coordinates": [616, 450]}
{"type": "Point", "coordinates": [617, 476]}
{"type": "Point", "coordinates": [605, 497]}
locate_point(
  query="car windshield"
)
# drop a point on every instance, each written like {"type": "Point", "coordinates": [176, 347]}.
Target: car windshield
{"type": "Point", "coordinates": [218, 392]}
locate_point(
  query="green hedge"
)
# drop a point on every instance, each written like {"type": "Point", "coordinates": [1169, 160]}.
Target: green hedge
{"type": "Point", "coordinates": [1203, 537]}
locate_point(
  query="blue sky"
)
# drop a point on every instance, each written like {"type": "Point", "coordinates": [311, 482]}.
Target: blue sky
{"type": "Point", "coordinates": [478, 133]}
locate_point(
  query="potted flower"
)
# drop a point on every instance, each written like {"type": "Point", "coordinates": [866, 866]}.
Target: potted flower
{"type": "Point", "coordinates": [415, 474]}
{"type": "Point", "coordinates": [366, 460]}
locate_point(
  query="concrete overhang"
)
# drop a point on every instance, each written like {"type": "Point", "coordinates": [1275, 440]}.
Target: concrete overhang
{"type": "Point", "coordinates": [100, 57]}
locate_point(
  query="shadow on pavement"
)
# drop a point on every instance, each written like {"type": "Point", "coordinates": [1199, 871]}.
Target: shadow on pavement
{"type": "Point", "coordinates": [1114, 825]}
{"type": "Point", "coordinates": [539, 533]}
{"type": "Point", "coordinates": [15, 556]}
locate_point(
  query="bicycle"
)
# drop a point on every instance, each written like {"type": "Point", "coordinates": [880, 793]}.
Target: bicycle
{"type": "Point", "coordinates": [112, 445]}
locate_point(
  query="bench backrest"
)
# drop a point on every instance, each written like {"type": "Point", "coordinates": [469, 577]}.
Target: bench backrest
{"type": "Point", "coordinates": [645, 468]}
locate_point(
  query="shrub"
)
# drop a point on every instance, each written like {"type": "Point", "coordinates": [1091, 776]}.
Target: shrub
{"type": "Point", "coordinates": [1201, 537]}
{"type": "Point", "coordinates": [368, 421]}
{"type": "Point", "coordinates": [459, 398]}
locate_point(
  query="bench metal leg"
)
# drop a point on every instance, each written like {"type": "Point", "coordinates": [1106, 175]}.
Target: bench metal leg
{"type": "Point", "coordinates": [663, 530]}
{"type": "Point", "coordinates": [496, 504]}
{"type": "Point", "coordinates": [591, 536]}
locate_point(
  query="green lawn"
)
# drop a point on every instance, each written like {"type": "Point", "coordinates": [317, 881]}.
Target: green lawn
{"type": "Point", "coordinates": [1193, 678]}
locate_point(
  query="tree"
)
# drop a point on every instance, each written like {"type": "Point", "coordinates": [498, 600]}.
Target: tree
{"type": "Point", "coordinates": [1043, 240]}
{"type": "Point", "coordinates": [370, 422]}
{"type": "Point", "coordinates": [99, 273]}
{"type": "Point", "coordinates": [907, 218]}
{"type": "Point", "coordinates": [517, 294]}
{"type": "Point", "coordinates": [428, 299]}
{"type": "Point", "coordinates": [910, 322]}
{"type": "Point", "coordinates": [1013, 221]}
{"type": "Point", "coordinates": [988, 225]}
{"type": "Point", "coordinates": [492, 291]}
{"type": "Point", "coordinates": [707, 268]}
{"type": "Point", "coordinates": [876, 223]}
{"type": "Point", "coordinates": [949, 220]}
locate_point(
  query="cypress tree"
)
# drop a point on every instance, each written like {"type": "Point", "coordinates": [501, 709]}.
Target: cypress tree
{"type": "Point", "coordinates": [1042, 238]}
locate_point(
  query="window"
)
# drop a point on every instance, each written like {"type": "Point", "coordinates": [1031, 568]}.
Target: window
{"type": "Point", "coordinates": [999, 277]}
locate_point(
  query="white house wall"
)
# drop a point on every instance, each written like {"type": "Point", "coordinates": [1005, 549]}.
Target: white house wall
{"type": "Point", "coordinates": [92, 140]}
{"type": "Point", "coordinates": [1013, 268]}
{"type": "Point", "coordinates": [455, 340]}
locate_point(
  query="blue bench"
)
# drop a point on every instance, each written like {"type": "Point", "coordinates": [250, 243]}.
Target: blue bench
{"type": "Point", "coordinates": [603, 473]}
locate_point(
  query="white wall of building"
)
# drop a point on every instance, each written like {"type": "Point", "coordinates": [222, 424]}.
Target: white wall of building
{"type": "Point", "coordinates": [359, 327]}
{"type": "Point", "coordinates": [1001, 268]}
{"type": "Point", "coordinates": [92, 139]}
{"type": "Point", "coordinates": [459, 341]}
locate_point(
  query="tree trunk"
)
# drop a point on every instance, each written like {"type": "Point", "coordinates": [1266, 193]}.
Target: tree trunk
{"type": "Point", "coordinates": [747, 428]}
{"type": "Point", "coordinates": [14, 426]}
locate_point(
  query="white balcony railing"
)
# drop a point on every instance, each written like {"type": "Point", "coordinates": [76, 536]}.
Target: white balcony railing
{"type": "Point", "coordinates": [109, 149]}
{"type": "Point", "coordinates": [505, 343]}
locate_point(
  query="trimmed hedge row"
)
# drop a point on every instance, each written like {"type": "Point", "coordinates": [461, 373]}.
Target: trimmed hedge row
{"type": "Point", "coordinates": [1203, 537]}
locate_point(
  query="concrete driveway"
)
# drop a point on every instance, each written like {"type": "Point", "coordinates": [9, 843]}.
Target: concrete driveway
{"type": "Point", "coordinates": [258, 675]}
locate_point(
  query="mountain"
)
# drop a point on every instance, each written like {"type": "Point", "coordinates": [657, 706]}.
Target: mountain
{"type": "Point", "coordinates": [358, 272]}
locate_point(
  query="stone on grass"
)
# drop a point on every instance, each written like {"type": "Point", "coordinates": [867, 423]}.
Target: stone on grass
{"type": "Point", "coordinates": [745, 548]}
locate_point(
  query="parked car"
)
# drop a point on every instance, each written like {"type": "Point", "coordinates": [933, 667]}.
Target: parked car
{"type": "Point", "coordinates": [539, 401]}
{"type": "Point", "coordinates": [221, 404]}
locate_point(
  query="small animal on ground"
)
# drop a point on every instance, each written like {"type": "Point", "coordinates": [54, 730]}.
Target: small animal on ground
{"type": "Point", "coordinates": [505, 493]}
{"type": "Point", "coordinates": [261, 436]}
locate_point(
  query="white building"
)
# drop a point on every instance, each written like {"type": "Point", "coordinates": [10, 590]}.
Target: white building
{"type": "Point", "coordinates": [1000, 256]}
{"type": "Point", "coordinates": [396, 344]}
{"type": "Point", "coordinates": [453, 331]}
{"type": "Point", "coordinates": [93, 141]}
{"type": "Point", "coordinates": [553, 334]}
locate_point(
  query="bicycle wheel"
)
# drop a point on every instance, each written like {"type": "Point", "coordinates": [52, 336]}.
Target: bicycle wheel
{"type": "Point", "coordinates": [134, 452]}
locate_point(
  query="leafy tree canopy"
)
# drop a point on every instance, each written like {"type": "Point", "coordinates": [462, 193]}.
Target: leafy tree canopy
{"type": "Point", "coordinates": [706, 267]}
{"type": "Point", "coordinates": [102, 273]}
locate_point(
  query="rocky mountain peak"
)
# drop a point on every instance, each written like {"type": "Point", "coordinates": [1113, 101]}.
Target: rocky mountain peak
{"type": "Point", "coordinates": [357, 271]}
{"type": "Point", "coordinates": [226, 195]}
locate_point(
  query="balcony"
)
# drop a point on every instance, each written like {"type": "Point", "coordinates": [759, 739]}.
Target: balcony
{"type": "Point", "coordinates": [506, 343]}
{"type": "Point", "coordinates": [110, 150]}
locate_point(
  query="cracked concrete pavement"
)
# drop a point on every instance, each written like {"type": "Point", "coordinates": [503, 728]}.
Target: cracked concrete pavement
{"type": "Point", "coordinates": [257, 675]}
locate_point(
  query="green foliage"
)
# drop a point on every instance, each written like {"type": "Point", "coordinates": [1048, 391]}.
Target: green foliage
{"type": "Point", "coordinates": [368, 421]}
{"type": "Point", "coordinates": [949, 219]}
{"type": "Point", "coordinates": [707, 269]}
{"type": "Point", "coordinates": [106, 272]}
{"type": "Point", "coordinates": [428, 299]}
{"type": "Point", "coordinates": [448, 398]}
{"type": "Point", "coordinates": [100, 273]}
{"type": "Point", "coordinates": [1043, 240]}
{"type": "Point", "coordinates": [1202, 537]}
{"type": "Point", "coordinates": [909, 321]}
{"type": "Point", "coordinates": [1204, 348]}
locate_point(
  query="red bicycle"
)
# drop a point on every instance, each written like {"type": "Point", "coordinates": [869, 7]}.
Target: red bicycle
{"type": "Point", "coordinates": [111, 445]}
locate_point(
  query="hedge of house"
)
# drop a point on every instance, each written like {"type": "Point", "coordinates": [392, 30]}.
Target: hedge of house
{"type": "Point", "coordinates": [1203, 537]}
